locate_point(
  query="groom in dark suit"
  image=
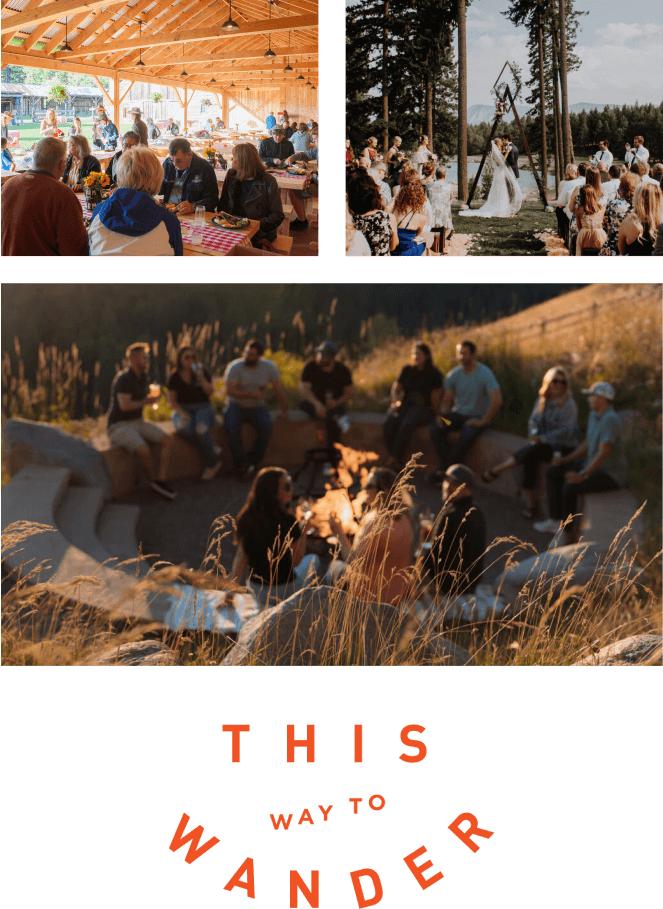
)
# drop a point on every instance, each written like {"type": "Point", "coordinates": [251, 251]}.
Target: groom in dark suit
{"type": "Point", "coordinates": [512, 157]}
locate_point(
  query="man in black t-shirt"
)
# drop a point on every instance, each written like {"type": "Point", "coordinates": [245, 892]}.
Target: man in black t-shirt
{"type": "Point", "coordinates": [326, 388]}
{"type": "Point", "coordinates": [130, 394]}
{"type": "Point", "coordinates": [415, 397]}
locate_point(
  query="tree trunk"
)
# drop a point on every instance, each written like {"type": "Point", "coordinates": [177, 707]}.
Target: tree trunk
{"type": "Point", "coordinates": [542, 102]}
{"type": "Point", "coordinates": [462, 102]}
{"type": "Point", "coordinates": [385, 78]}
{"type": "Point", "coordinates": [556, 103]}
{"type": "Point", "coordinates": [429, 113]}
{"type": "Point", "coordinates": [566, 122]}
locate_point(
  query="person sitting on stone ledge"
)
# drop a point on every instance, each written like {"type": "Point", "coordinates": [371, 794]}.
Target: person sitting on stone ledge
{"type": "Point", "coordinates": [270, 541]}
{"type": "Point", "coordinates": [471, 399]}
{"type": "Point", "coordinates": [596, 465]}
{"type": "Point", "coordinates": [246, 381]}
{"type": "Point", "coordinates": [552, 426]}
{"type": "Point", "coordinates": [415, 398]}
{"type": "Point", "coordinates": [326, 388]}
{"type": "Point", "coordinates": [454, 562]}
{"type": "Point", "coordinates": [190, 387]}
{"type": "Point", "coordinates": [130, 393]}
{"type": "Point", "coordinates": [384, 545]}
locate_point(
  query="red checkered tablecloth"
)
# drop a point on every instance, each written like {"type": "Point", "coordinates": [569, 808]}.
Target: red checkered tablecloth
{"type": "Point", "coordinates": [214, 238]}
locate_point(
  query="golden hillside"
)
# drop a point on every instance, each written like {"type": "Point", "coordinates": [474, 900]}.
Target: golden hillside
{"type": "Point", "coordinates": [592, 317]}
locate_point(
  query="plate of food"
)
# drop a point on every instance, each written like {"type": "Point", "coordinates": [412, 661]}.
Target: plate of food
{"type": "Point", "coordinates": [230, 222]}
{"type": "Point", "coordinates": [300, 171]}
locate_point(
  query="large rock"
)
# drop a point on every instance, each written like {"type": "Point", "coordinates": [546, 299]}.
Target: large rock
{"type": "Point", "coordinates": [138, 653]}
{"type": "Point", "coordinates": [637, 650]}
{"type": "Point", "coordinates": [548, 572]}
{"type": "Point", "coordinates": [26, 442]}
{"type": "Point", "coordinates": [324, 626]}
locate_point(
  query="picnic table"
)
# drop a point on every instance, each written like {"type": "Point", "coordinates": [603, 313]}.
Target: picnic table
{"type": "Point", "coordinates": [208, 241]}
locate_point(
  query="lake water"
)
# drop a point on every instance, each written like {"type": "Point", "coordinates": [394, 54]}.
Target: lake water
{"type": "Point", "coordinates": [526, 180]}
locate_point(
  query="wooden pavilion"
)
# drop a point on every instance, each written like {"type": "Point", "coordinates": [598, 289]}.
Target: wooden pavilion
{"type": "Point", "coordinates": [261, 54]}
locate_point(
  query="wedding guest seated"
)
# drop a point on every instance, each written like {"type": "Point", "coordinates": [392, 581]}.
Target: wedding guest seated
{"type": "Point", "coordinates": [365, 202]}
{"type": "Point", "coordinates": [356, 243]}
{"type": "Point", "coordinates": [593, 179]}
{"type": "Point", "coordinates": [596, 465]}
{"type": "Point", "coordinates": [552, 426]}
{"type": "Point", "coordinates": [611, 188]}
{"type": "Point", "coordinates": [188, 180]}
{"type": "Point", "coordinates": [250, 192]}
{"type": "Point", "coordinates": [76, 127]}
{"type": "Point", "coordinates": [572, 179]}
{"type": "Point", "coordinates": [454, 562]}
{"type": "Point", "coordinates": [41, 216]}
{"type": "Point", "coordinates": [589, 222]}
{"type": "Point", "coordinates": [617, 210]}
{"type": "Point", "coordinates": [172, 129]}
{"type": "Point", "coordinates": [129, 140]}
{"type": "Point", "coordinates": [246, 380]}
{"type": "Point", "coordinates": [640, 168]}
{"type": "Point", "coordinates": [301, 140]}
{"type": "Point", "coordinates": [130, 394]}
{"type": "Point", "coordinates": [189, 389]}
{"type": "Point", "coordinates": [656, 173]}
{"type": "Point", "coordinates": [49, 125]}
{"type": "Point", "coordinates": [409, 208]}
{"type": "Point", "coordinates": [638, 231]}
{"type": "Point", "coordinates": [219, 124]}
{"type": "Point", "coordinates": [427, 173]}
{"type": "Point", "coordinates": [415, 396]}
{"type": "Point", "coordinates": [153, 131]}
{"type": "Point", "coordinates": [130, 222]}
{"type": "Point", "coordinates": [80, 163]}
{"type": "Point", "coordinates": [271, 542]}
{"type": "Point", "coordinates": [298, 196]}
{"type": "Point", "coordinates": [7, 158]}
{"type": "Point", "coordinates": [378, 172]}
{"type": "Point", "coordinates": [439, 194]}
{"type": "Point", "coordinates": [649, 176]}
{"type": "Point", "coordinates": [383, 547]}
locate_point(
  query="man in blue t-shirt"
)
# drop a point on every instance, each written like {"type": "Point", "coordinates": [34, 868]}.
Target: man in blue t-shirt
{"type": "Point", "coordinates": [270, 121]}
{"type": "Point", "coordinates": [472, 397]}
{"type": "Point", "coordinates": [596, 465]}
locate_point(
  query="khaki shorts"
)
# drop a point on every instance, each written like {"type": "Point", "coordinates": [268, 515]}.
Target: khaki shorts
{"type": "Point", "coordinates": [133, 434]}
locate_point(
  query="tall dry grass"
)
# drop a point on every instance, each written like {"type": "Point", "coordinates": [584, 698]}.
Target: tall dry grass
{"type": "Point", "coordinates": [46, 624]}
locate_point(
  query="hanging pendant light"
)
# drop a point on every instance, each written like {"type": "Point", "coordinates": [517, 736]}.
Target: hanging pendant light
{"type": "Point", "coordinates": [288, 68]}
{"type": "Point", "coordinates": [65, 46]}
{"type": "Point", "coordinates": [300, 78]}
{"type": "Point", "coordinates": [269, 52]}
{"type": "Point", "coordinates": [184, 72]}
{"type": "Point", "coordinates": [232, 84]}
{"type": "Point", "coordinates": [230, 25]}
{"type": "Point", "coordinates": [140, 52]}
{"type": "Point", "coordinates": [308, 80]}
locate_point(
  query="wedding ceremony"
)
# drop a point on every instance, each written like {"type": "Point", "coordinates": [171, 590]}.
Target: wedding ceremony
{"type": "Point", "coordinates": [503, 127]}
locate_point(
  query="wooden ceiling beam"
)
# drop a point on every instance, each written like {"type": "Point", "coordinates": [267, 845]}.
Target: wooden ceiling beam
{"type": "Point", "coordinates": [53, 11]}
{"type": "Point", "coordinates": [205, 57]}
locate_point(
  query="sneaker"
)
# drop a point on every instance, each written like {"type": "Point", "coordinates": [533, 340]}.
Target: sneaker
{"type": "Point", "coordinates": [548, 526]}
{"type": "Point", "coordinates": [299, 225]}
{"type": "Point", "coordinates": [210, 472]}
{"type": "Point", "coordinates": [163, 488]}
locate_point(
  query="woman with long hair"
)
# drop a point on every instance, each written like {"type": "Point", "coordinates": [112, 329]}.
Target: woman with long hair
{"type": "Point", "coordinates": [440, 194]}
{"type": "Point", "coordinates": [80, 163]}
{"type": "Point", "coordinates": [356, 243]}
{"type": "Point", "coordinates": [409, 208]}
{"type": "Point", "coordinates": [593, 179]}
{"type": "Point", "coordinates": [365, 203]}
{"type": "Point", "coordinates": [617, 209]}
{"type": "Point", "coordinates": [349, 154]}
{"type": "Point", "coordinates": [415, 397]}
{"type": "Point", "coordinates": [270, 541]}
{"type": "Point", "coordinates": [552, 426]}
{"type": "Point", "coordinates": [76, 127]}
{"type": "Point", "coordinates": [422, 154]}
{"type": "Point", "coordinates": [589, 221]}
{"type": "Point", "coordinates": [639, 230]}
{"type": "Point", "coordinates": [371, 149]}
{"type": "Point", "coordinates": [250, 192]}
{"type": "Point", "coordinates": [49, 125]}
{"type": "Point", "coordinates": [189, 389]}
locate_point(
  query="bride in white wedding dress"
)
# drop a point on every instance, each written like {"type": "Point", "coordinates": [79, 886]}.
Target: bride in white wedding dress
{"type": "Point", "coordinates": [505, 197]}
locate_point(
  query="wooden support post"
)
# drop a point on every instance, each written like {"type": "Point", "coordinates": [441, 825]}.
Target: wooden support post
{"type": "Point", "coordinates": [186, 106]}
{"type": "Point", "coordinates": [542, 191]}
{"type": "Point", "coordinates": [225, 115]}
{"type": "Point", "coordinates": [483, 160]}
{"type": "Point", "coordinates": [116, 101]}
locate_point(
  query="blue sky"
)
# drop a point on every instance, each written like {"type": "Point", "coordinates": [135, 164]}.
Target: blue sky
{"type": "Point", "coordinates": [620, 44]}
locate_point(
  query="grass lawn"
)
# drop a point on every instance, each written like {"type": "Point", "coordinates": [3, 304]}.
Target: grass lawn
{"type": "Point", "coordinates": [507, 236]}
{"type": "Point", "coordinates": [30, 131]}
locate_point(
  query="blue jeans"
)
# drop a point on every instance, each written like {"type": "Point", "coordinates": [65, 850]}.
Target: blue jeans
{"type": "Point", "coordinates": [333, 430]}
{"type": "Point", "coordinates": [400, 425]}
{"type": "Point", "coordinates": [259, 418]}
{"type": "Point", "coordinates": [197, 430]}
{"type": "Point", "coordinates": [439, 438]}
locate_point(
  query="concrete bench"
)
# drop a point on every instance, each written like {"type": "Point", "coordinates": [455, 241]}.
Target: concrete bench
{"type": "Point", "coordinates": [42, 495]}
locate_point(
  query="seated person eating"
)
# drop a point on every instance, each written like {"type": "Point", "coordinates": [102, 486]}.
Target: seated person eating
{"type": "Point", "coordinates": [250, 192]}
{"type": "Point", "coordinates": [188, 180]}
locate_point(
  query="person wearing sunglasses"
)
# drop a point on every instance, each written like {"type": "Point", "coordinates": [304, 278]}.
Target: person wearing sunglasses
{"type": "Point", "coordinates": [189, 388]}
{"type": "Point", "coordinates": [271, 542]}
{"type": "Point", "coordinates": [552, 426]}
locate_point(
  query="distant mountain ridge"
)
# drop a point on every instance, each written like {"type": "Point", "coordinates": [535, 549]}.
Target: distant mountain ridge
{"type": "Point", "coordinates": [484, 113]}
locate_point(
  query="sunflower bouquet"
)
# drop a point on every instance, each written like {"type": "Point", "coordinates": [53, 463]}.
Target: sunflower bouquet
{"type": "Point", "coordinates": [210, 151]}
{"type": "Point", "coordinates": [96, 180]}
